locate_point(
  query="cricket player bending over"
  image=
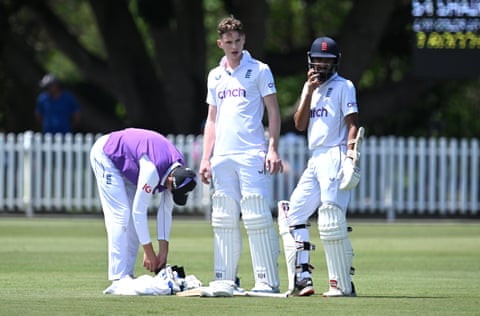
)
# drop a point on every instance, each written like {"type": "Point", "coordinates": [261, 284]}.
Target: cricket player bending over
{"type": "Point", "coordinates": [130, 166]}
{"type": "Point", "coordinates": [236, 158]}
{"type": "Point", "coordinates": [328, 108]}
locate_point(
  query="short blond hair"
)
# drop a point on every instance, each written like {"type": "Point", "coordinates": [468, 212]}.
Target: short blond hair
{"type": "Point", "coordinates": [229, 24]}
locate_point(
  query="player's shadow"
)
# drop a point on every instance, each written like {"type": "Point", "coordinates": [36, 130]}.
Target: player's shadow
{"type": "Point", "coordinates": [401, 297]}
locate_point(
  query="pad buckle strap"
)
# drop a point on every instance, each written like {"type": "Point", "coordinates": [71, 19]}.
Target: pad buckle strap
{"type": "Point", "coordinates": [301, 226]}
{"type": "Point", "coordinates": [304, 267]}
{"type": "Point", "coordinates": [304, 245]}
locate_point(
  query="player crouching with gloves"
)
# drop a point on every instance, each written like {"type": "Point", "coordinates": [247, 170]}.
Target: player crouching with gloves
{"type": "Point", "coordinates": [328, 108]}
{"type": "Point", "coordinates": [130, 166]}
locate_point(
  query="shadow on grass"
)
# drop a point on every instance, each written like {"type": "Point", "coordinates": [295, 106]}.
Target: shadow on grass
{"type": "Point", "coordinates": [401, 297]}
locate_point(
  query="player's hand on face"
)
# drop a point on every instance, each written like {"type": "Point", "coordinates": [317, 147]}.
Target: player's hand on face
{"type": "Point", "coordinates": [205, 171]}
{"type": "Point", "coordinates": [312, 79]}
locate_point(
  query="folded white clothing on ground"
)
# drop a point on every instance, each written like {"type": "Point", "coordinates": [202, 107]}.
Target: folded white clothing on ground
{"type": "Point", "coordinates": [166, 282]}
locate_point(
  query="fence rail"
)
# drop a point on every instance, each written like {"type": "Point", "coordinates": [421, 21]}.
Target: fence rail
{"type": "Point", "coordinates": [400, 176]}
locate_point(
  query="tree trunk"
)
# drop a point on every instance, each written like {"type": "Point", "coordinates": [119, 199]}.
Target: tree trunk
{"type": "Point", "coordinates": [131, 68]}
{"type": "Point", "coordinates": [253, 14]}
{"type": "Point", "coordinates": [180, 54]}
{"type": "Point", "coordinates": [361, 34]}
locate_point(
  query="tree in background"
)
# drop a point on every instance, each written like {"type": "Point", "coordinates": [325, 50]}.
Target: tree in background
{"type": "Point", "coordinates": [143, 62]}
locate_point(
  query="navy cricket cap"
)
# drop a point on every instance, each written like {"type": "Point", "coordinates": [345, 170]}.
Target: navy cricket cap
{"type": "Point", "coordinates": [184, 181]}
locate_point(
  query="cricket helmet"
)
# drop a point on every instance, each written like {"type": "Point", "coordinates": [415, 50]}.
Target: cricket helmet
{"type": "Point", "coordinates": [324, 47]}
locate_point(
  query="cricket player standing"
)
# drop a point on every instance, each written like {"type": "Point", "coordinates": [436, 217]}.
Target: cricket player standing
{"type": "Point", "coordinates": [235, 157]}
{"type": "Point", "coordinates": [328, 108]}
{"type": "Point", "coordinates": [131, 165]}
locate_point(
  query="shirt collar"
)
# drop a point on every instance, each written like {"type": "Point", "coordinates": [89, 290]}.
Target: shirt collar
{"type": "Point", "coordinates": [173, 166]}
{"type": "Point", "coordinates": [331, 78]}
{"type": "Point", "coordinates": [246, 57]}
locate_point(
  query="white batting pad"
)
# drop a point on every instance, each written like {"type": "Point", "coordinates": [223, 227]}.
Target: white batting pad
{"type": "Point", "coordinates": [263, 239]}
{"type": "Point", "coordinates": [289, 245]}
{"type": "Point", "coordinates": [227, 244]}
{"type": "Point", "coordinates": [332, 227]}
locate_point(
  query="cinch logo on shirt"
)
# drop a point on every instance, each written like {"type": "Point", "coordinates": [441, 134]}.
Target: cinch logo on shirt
{"type": "Point", "coordinates": [318, 112]}
{"type": "Point", "coordinates": [238, 92]}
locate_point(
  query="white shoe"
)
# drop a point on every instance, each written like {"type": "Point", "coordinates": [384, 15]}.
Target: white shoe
{"type": "Point", "coordinates": [265, 288]}
{"type": "Point", "coordinates": [336, 292]}
{"type": "Point", "coordinates": [333, 292]}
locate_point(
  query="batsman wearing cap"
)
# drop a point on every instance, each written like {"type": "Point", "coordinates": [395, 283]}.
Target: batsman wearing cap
{"type": "Point", "coordinates": [328, 111]}
{"type": "Point", "coordinates": [131, 165]}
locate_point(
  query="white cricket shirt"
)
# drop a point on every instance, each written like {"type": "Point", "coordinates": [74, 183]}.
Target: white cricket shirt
{"type": "Point", "coordinates": [238, 96]}
{"type": "Point", "coordinates": [331, 102]}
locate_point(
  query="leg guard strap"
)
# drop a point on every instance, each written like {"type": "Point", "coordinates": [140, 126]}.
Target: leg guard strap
{"type": "Point", "coordinates": [304, 245]}
{"type": "Point", "coordinates": [304, 267]}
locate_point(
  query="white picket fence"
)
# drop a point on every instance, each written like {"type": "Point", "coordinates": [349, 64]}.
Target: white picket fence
{"type": "Point", "coordinates": [400, 176]}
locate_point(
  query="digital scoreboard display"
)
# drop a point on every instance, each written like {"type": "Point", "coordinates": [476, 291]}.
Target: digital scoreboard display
{"type": "Point", "coordinates": [446, 38]}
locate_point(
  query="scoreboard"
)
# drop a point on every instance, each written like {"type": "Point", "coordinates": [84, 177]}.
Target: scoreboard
{"type": "Point", "coordinates": [446, 38]}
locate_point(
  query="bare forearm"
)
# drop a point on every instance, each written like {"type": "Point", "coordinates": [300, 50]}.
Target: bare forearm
{"type": "Point", "coordinates": [162, 253]}
{"type": "Point", "coordinates": [208, 141]}
{"type": "Point", "coordinates": [148, 249]}
{"type": "Point", "coordinates": [274, 120]}
{"type": "Point", "coordinates": [274, 131]}
{"type": "Point", "coordinates": [302, 116]}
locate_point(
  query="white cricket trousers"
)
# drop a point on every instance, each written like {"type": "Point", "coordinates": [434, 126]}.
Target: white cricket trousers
{"type": "Point", "coordinates": [318, 185]}
{"type": "Point", "coordinates": [116, 196]}
{"type": "Point", "coordinates": [240, 175]}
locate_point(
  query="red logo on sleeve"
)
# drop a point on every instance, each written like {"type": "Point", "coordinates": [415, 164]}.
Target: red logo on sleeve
{"type": "Point", "coordinates": [147, 188]}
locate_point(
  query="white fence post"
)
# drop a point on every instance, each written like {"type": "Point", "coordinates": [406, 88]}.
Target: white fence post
{"type": "Point", "coordinates": [3, 166]}
{"type": "Point", "coordinates": [27, 173]}
{"type": "Point", "coordinates": [474, 176]}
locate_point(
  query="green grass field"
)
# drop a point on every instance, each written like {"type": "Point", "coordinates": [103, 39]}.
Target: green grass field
{"type": "Point", "coordinates": [58, 267]}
